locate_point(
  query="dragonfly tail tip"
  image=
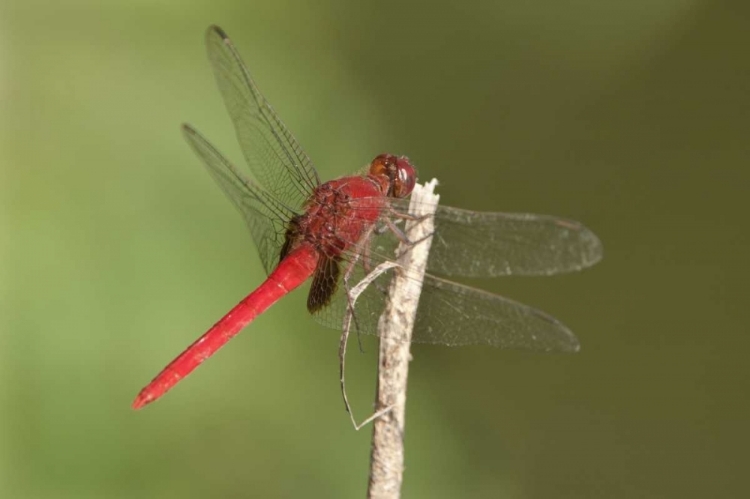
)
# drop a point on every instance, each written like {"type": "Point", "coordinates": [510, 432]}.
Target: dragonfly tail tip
{"type": "Point", "coordinates": [142, 400]}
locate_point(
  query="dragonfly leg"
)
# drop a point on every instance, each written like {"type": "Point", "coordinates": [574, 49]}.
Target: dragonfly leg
{"type": "Point", "coordinates": [423, 238]}
{"type": "Point", "coordinates": [406, 216]}
{"type": "Point", "coordinates": [349, 301]}
{"type": "Point", "coordinates": [402, 236]}
{"type": "Point", "coordinates": [397, 232]}
{"type": "Point", "coordinates": [342, 380]}
{"type": "Point", "coordinates": [382, 228]}
{"type": "Point", "coordinates": [352, 295]}
{"type": "Point", "coordinates": [367, 254]}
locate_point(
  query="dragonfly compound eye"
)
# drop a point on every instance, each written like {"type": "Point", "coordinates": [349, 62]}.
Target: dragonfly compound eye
{"type": "Point", "coordinates": [406, 177]}
{"type": "Point", "coordinates": [383, 164]}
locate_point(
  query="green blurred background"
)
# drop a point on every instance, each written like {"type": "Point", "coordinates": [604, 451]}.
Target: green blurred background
{"type": "Point", "coordinates": [117, 249]}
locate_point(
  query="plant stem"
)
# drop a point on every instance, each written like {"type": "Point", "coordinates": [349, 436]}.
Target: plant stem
{"type": "Point", "coordinates": [395, 330]}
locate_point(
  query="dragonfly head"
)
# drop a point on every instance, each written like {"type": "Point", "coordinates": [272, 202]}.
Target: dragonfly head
{"type": "Point", "coordinates": [399, 171]}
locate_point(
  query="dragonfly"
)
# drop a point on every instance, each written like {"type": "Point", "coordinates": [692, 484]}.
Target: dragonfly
{"type": "Point", "coordinates": [335, 232]}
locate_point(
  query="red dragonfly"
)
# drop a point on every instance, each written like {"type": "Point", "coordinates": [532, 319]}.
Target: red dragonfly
{"type": "Point", "coordinates": [337, 231]}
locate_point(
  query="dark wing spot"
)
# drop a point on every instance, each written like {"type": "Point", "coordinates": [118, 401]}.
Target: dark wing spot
{"type": "Point", "coordinates": [291, 235]}
{"type": "Point", "coordinates": [324, 284]}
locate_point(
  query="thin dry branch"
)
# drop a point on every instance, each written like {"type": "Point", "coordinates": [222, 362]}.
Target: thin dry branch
{"type": "Point", "coordinates": [395, 329]}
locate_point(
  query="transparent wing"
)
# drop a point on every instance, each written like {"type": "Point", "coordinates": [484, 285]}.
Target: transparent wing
{"type": "Point", "coordinates": [491, 244]}
{"type": "Point", "coordinates": [449, 313]}
{"type": "Point", "coordinates": [263, 214]}
{"type": "Point", "coordinates": [486, 244]}
{"type": "Point", "coordinates": [275, 158]}
{"type": "Point", "coordinates": [453, 314]}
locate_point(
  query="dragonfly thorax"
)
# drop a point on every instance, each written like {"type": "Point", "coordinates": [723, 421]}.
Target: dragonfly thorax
{"type": "Point", "coordinates": [337, 216]}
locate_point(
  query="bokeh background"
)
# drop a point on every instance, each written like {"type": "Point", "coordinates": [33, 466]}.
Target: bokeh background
{"type": "Point", "coordinates": [117, 249]}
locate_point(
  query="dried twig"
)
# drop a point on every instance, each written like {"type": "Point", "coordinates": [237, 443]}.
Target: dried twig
{"type": "Point", "coordinates": [394, 329]}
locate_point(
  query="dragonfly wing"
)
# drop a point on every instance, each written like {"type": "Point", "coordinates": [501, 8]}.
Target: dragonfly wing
{"type": "Point", "coordinates": [486, 244]}
{"type": "Point", "coordinates": [324, 284]}
{"type": "Point", "coordinates": [368, 306]}
{"type": "Point", "coordinates": [262, 213]}
{"type": "Point", "coordinates": [491, 244]}
{"type": "Point", "coordinates": [275, 158]}
{"type": "Point", "coordinates": [453, 314]}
